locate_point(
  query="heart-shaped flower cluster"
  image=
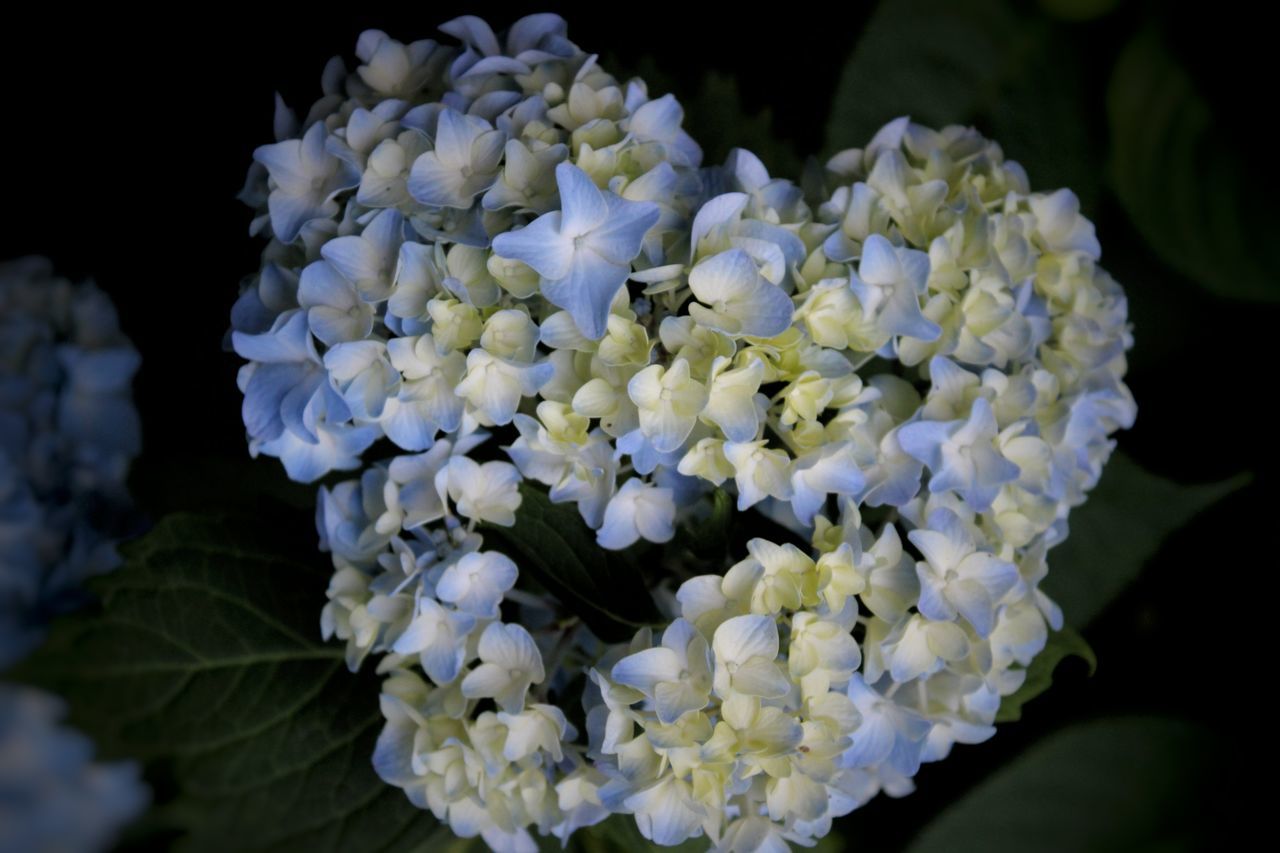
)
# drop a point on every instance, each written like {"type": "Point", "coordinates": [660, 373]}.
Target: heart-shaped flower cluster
{"type": "Point", "coordinates": [493, 263]}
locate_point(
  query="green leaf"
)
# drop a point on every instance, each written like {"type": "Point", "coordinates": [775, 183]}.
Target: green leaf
{"type": "Point", "coordinates": [1120, 526]}
{"type": "Point", "coordinates": [1117, 784]}
{"type": "Point", "coordinates": [1060, 646]}
{"type": "Point", "coordinates": [1189, 189]}
{"type": "Point", "coordinates": [708, 538]}
{"type": "Point", "coordinates": [205, 660]}
{"type": "Point", "coordinates": [551, 542]}
{"type": "Point", "coordinates": [1015, 76]}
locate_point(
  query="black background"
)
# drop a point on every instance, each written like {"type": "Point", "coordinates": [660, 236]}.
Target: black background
{"type": "Point", "coordinates": [127, 135]}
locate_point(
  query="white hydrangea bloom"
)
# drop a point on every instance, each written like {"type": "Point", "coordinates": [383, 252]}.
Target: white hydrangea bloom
{"type": "Point", "coordinates": [915, 366]}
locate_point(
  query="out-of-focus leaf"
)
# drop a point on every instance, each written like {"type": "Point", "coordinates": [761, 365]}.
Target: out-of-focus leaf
{"type": "Point", "coordinates": [1117, 784]}
{"type": "Point", "coordinates": [550, 541]}
{"type": "Point", "coordinates": [716, 116]}
{"type": "Point", "coordinates": [1060, 646]}
{"type": "Point", "coordinates": [1015, 76]}
{"type": "Point", "coordinates": [1078, 10]}
{"type": "Point", "coordinates": [1120, 526]}
{"type": "Point", "coordinates": [1183, 182]}
{"type": "Point", "coordinates": [205, 661]}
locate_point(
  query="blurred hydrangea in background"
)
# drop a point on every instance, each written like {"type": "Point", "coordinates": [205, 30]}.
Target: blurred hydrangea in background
{"type": "Point", "coordinates": [68, 434]}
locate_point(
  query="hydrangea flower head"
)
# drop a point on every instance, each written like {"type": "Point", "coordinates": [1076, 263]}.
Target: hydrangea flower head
{"type": "Point", "coordinates": [507, 269]}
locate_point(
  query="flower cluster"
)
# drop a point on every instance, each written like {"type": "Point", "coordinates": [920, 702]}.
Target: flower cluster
{"type": "Point", "coordinates": [805, 680]}
{"type": "Point", "coordinates": [55, 797]}
{"type": "Point", "coordinates": [915, 371]}
{"type": "Point", "coordinates": [68, 433]}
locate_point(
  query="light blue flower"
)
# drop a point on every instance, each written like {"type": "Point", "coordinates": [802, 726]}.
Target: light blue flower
{"type": "Point", "coordinates": [584, 250]}
{"type": "Point", "coordinates": [660, 121]}
{"type": "Point", "coordinates": [476, 583]}
{"type": "Point", "coordinates": [368, 260]}
{"type": "Point", "coordinates": [464, 163]}
{"type": "Point", "coordinates": [306, 178]}
{"type": "Point", "coordinates": [334, 311]}
{"type": "Point", "coordinates": [889, 284]}
{"type": "Point", "coordinates": [956, 578]}
{"type": "Point", "coordinates": [889, 734]}
{"type": "Point", "coordinates": [961, 455]}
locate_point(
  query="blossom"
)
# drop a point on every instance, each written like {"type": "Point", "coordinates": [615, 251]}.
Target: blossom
{"type": "Point", "coordinates": [368, 260]}
{"type": "Point", "coordinates": [69, 433]}
{"type": "Point", "coordinates": [493, 386]}
{"type": "Point", "coordinates": [955, 577]}
{"type": "Point", "coordinates": [669, 402]}
{"type": "Point", "coordinates": [502, 252]}
{"type": "Point", "coordinates": [510, 663]}
{"type": "Point", "coordinates": [483, 492]}
{"type": "Point", "coordinates": [638, 510]}
{"type": "Point", "coordinates": [961, 455]}
{"type": "Point", "coordinates": [889, 283]}
{"type": "Point", "coordinates": [582, 251]}
{"type": "Point", "coordinates": [734, 298]}
{"type": "Point", "coordinates": [436, 635]}
{"type": "Point", "coordinates": [463, 163]}
{"type": "Point", "coordinates": [305, 178]}
{"type": "Point", "coordinates": [476, 583]}
{"type": "Point", "coordinates": [676, 674]}
{"type": "Point", "coordinates": [746, 650]}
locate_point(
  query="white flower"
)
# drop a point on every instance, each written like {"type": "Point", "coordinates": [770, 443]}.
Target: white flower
{"type": "Point", "coordinates": [746, 653]}
{"type": "Point", "coordinates": [368, 260]}
{"type": "Point", "coordinates": [438, 637]}
{"type": "Point", "coordinates": [500, 232]}
{"type": "Point", "coordinates": [759, 472]}
{"type": "Point", "coordinates": [493, 386]}
{"type": "Point", "coordinates": [509, 663]}
{"type": "Point", "coordinates": [731, 401]}
{"type": "Point", "coordinates": [335, 311]}
{"type": "Point", "coordinates": [667, 812]}
{"type": "Point", "coordinates": [889, 734]}
{"type": "Point", "coordinates": [675, 675]}
{"type": "Point", "coordinates": [425, 403]}
{"type": "Point", "coordinates": [476, 583]}
{"type": "Point", "coordinates": [833, 470]}
{"type": "Point", "coordinates": [669, 402]}
{"type": "Point", "coordinates": [1060, 225]}
{"type": "Point", "coordinates": [538, 728]}
{"type": "Point", "coordinates": [920, 646]}
{"type": "Point", "coordinates": [488, 492]}
{"type": "Point", "coordinates": [639, 510]}
{"type": "Point", "coordinates": [734, 298]}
